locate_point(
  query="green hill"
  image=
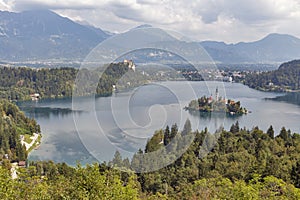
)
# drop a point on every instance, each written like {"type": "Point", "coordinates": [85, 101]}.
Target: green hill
{"type": "Point", "coordinates": [18, 83]}
{"type": "Point", "coordinates": [13, 124]}
{"type": "Point", "coordinates": [285, 78]}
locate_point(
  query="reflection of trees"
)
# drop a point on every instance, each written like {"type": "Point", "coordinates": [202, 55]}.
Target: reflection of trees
{"type": "Point", "coordinates": [293, 98]}
{"type": "Point", "coordinates": [46, 112]}
{"type": "Point", "coordinates": [212, 115]}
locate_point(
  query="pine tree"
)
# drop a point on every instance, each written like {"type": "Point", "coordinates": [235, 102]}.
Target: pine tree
{"type": "Point", "coordinates": [295, 174]}
{"type": "Point", "coordinates": [187, 128]}
{"type": "Point", "coordinates": [235, 127]}
{"type": "Point", "coordinates": [167, 136]}
{"type": "Point", "coordinates": [270, 132]}
{"type": "Point", "coordinates": [174, 131]}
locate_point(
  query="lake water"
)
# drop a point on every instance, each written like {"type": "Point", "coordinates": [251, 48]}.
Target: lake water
{"type": "Point", "coordinates": [92, 129]}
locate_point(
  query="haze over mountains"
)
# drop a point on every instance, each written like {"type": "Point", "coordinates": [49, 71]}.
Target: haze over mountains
{"type": "Point", "coordinates": [44, 35]}
{"type": "Point", "coordinates": [40, 35]}
{"type": "Point", "coordinates": [272, 48]}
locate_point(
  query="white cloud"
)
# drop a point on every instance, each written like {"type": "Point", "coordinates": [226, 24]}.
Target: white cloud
{"type": "Point", "coordinates": [228, 20]}
{"type": "Point", "coordinates": [6, 5]}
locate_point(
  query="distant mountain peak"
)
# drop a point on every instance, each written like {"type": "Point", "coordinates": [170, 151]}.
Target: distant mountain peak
{"type": "Point", "coordinates": [44, 13]}
{"type": "Point", "coordinates": [143, 26]}
{"type": "Point", "coordinates": [276, 36]}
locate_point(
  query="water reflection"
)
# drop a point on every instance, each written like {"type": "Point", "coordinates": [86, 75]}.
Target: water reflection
{"type": "Point", "coordinates": [213, 115]}
{"type": "Point", "coordinates": [37, 110]}
{"type": "Point", "coordinates": [293, 98]}
{"type": "Point", "coordinates": [62, 143]}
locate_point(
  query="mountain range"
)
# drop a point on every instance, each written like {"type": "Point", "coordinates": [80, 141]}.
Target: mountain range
{"type": "Point", "coordinates": [272, 48]}
{"type": "Point", "coordinates": [45, 35]}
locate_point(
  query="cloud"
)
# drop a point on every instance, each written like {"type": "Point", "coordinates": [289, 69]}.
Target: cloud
{"type": "Point", "coordinates": [229, 20]}
{"type": "Point", "coordinates": [5, 5]}
{"type": "Point", "coordinates": [21, 5]}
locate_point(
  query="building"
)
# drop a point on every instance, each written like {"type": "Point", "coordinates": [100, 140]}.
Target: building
{"type": "Point", "coordinates": [22, 163]}
{"type": "Point", "coordinates": [217, 94]}
{"type": "Point", "coordinates": [210, 99]}
{"type": "Point", "coordinates": [35, 96]}
{"type": "Point", "coordinates": [271, 84]}
{"type": "Point", "coordinates": [130, 63]}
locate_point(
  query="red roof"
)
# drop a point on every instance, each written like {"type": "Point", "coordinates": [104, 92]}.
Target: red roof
{"type": "Point", "coordinates": [22, 163]}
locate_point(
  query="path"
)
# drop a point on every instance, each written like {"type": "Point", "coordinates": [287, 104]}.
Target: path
{"type": "Point", "coordinates": [13, 170]}
{"type": "Point", "coordinates": [34, 138]}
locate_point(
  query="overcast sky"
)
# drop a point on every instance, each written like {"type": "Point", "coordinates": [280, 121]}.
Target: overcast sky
{"type": "Point", "coordinates": [222, 20]}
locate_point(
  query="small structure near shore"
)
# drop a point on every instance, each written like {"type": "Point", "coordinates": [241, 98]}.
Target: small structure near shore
{"type": "Point", "coordinates": [35, 96]}
{"type": "Point", "coordinates": [22, 163]}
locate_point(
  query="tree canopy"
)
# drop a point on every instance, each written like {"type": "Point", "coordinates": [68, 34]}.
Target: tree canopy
{"type": "Point", "coordinates": [285, 78]}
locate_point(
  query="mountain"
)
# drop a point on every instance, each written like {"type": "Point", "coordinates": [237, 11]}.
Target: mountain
{"type": "Point", "coordinates": [142, 26]}
{"type": "Point", "coordinates": [150, 45]}
{"type": "Point", "coordinates": [43, 34]}
{"type": "Point", "coordinates": [100, 32]}
{"type": "Point", "coordinates": [272, 48]}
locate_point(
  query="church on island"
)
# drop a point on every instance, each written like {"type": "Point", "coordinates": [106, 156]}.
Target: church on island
{"type": "Point", "coordinates": [217, 104]}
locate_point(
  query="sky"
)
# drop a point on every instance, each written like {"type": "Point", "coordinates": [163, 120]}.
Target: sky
{"type": "Point", "coordinates": [230, 21]}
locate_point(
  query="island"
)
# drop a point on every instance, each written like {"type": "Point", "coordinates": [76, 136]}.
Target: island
{"type": "Point", "coordinates": [217, 104]}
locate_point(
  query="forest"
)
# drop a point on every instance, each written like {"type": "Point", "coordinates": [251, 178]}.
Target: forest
{"type": "Point", "coordinates": [238, 163]}
{"type": "Point", "coordinates": [285, 78]}
{"type": "Point", "coordinates": [243, 164]}
{"type": "Point", "coordinates": [17, 83]}
{"type": "Point", "coordinates": [14, 123]}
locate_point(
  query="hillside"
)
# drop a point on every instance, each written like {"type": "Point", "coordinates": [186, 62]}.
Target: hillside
{"type": "Point", "coordinates": [18, 83]}
{"type": "Point", "coordinates": [42, 34]}
{"type": "Point", "coordinates": [285, 78]}
{"type": "Point", "coordinates": [244, 164]}
{"type": "Point", "coordinates": [13, 124]}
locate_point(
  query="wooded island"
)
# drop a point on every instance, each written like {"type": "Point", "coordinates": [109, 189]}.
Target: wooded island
{"type": "Point", "coordinates": [217, 104]}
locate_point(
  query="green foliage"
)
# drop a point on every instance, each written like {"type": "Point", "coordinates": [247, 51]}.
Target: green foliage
{"type": "Point", "coordinates": [230, 170]}
{"type": "Point", "coordinates": [14, 123]}
{"type": "Point", "coordinates": [285, 78]}
{"type": "Point", "coordinates": [270, 132]}
{"type": "Point", "coordinates": [155, 143]}
{"type": "Point", "coordinates": [187, 129]}
{"type": "Point", "coordinates": [19, 83]}
{"type": "Point", "coordinates": [222, 188]}
{"type": "Point", "coordinates": [78, 183]}
{"type": "Point", "coordinates": [208, 104]}
{"type": "Point", "coordinates": [295, 174]}
{"type": "Point", "coordinates": [246, 164]}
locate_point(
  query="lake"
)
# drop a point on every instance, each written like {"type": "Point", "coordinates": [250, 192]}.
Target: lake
{"type": "Point", "coordinates": [91, 129]}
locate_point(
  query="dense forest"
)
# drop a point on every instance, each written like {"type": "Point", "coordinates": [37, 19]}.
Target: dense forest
{"type": "Point", "coordinates": [285, 78]}
{"type": "Point", "coordinates": [244, 164]}
{"type": "Point", "coordinates": [14, 123]}
{"type": "Point", "coordinates": [17, 83]}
